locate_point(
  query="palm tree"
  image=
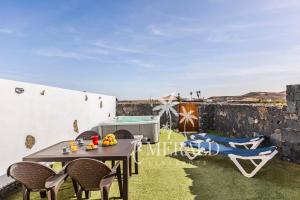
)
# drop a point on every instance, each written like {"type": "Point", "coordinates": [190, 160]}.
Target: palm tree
{"type": "Point", "coordinates": [178, 97]}
{"type": "Point", "coordinates": [167, 108]}
{"type": "Point", "coordinates": [187, 117]}
{"type": "Point", "coordinates": [198, 93]}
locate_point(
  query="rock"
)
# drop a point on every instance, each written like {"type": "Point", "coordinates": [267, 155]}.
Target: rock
{"type": "Point", "coordinates": [29, 141]}
{"type": "Point", "coordinates": [291, 107]}
{"type": "Point", "coordinates": [276, 137]}
{"type": "Point", "coordinates": [75, 126]}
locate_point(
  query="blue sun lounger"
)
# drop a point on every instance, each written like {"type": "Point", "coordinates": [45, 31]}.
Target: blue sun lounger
{"type": "Point", "coordinates": [254, 142]}
{"type": "Point", "coordinates": [213, 148]}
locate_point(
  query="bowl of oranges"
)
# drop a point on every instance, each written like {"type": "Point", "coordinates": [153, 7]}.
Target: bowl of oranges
{"type": "Point", "coordinates": [109, 140]}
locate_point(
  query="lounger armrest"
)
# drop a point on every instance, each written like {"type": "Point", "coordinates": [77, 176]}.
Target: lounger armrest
{"type": "Point", "coordinates": [254, 143]}
{"type": "Point", "coordinates": [55, 180]}
{"type": "Point", "coordinates": [192, 137]}
{"type": "Point", "coordinates": [246, 143]}
{"type": "Point", "coordinates": [271, 155]}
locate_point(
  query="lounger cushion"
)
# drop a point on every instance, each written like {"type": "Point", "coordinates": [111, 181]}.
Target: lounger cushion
{"type": "Point", "coordinates": [205, 136]}
{"type": "Point", "coordinates": [216, 148]}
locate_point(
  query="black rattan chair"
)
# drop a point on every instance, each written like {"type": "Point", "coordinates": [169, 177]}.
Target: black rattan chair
{"type": "Point", "coordinates": [123, 134]}
{"type": "Point", "coordinates": [93, 175]}
{"type": "Point", "coordinates": [36, 177]}
{"type": "Point", "coordinates": [86, 135]}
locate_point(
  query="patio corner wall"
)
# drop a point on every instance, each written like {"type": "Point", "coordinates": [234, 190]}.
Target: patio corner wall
{"type": "Point", "coordinates": [35, 116]}
{"type": "Point", "coordinates": [279, 123]}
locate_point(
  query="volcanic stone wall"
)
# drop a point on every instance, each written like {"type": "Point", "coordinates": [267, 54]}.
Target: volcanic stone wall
{"type": "Point", "coordinates": [245, 120]}
{"type": "Point", "coordinates": [242, 120]}
{"type": "Point", "coordinates": [280, 124]}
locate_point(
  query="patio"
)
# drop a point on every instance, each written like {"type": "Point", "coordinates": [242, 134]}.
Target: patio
{"type": "Point", "coordinates": [169, 176]}
{"type": "Point", "coordinates": [150, 100]}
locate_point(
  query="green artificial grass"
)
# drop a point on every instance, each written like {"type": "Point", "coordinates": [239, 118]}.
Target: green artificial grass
{"type": "Point", "coordinates": [166, 174]}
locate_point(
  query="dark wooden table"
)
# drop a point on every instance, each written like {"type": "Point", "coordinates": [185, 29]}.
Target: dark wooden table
{"type": "Point", "coordinates": [121, 151]}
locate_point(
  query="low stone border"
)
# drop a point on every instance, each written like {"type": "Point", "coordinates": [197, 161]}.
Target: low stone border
{"type": "Point", "coordinates": [8, 186]}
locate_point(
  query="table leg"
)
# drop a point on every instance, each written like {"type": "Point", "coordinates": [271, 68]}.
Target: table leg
{"type": "Point", "coordinates": [136, 161]}
{"type": "Point", "coordinates": [112, 163]}
{"type": "Point", "coordinates": [130, 166]}
{"type": "Point", "coordinates": [43, 194]}
{"type": "Point", "coordinates": [125, 178]}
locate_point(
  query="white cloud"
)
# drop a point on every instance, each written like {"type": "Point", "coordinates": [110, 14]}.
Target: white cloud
{"type": "Point", "coordinates": [180, 18]}
{"type": "Point", "coordinates": [142, 63]}
{"type": "Point", "coordinates": [96, 51]}
{"type": "Point", "coordinates": [240, 72]}
{"type": "Point", "coordinates": [261, 70]}
{"type": "Point", "coordinates": [281, 4]}
{"type": "Point", "coordinates": [130, 49]}
{"type": "Point", "coordinates": [224, 37]}
{"type": "Point", "coordinates": [6, 30]}
{"type": "Point", "coordinates": [175, 30]}
{"type": "Point", "coordinates": [156, 31]}
{"type": "Point", "coordinates": [232, 32]}
{"type": "Point", "coordinates": [123, 29]}
{"type": "Point", "coordinates": [91, 54]}
{"type": "Point", "coordinates": [236, 31]}
{"type": "Point", "coordinates": [246, 31]}
{"type": "Point", "coordinates": [116, 48]}
{"type": "Point", "coordinates": [62, 54]}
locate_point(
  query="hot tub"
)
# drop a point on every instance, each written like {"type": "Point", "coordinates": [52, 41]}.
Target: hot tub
{"type": "Point", "coordinates": [147, 126]}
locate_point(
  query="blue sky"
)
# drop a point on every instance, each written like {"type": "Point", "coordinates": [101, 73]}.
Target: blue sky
{"type": "Point", "coordinates": [142, 49]}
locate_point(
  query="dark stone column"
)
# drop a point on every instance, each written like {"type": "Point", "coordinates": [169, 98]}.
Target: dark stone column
{"type": "Point", "coordinates": [291, 133]}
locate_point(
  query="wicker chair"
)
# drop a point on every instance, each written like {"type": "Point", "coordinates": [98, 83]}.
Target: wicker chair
{"type": "Point", "coordinates": [93, 175]}
{"type": "Point", "coordinates": [36, 177]}
{"type": "Point", "coordinates": [123, 134]}
{"type": "Point", "coordinates": [86, 135]}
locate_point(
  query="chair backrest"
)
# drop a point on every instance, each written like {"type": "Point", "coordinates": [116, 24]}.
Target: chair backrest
{"type": "Point", "coordinates": [123, 134]}
{"type": "Point", "coordinates": [87, 172]}
{"type": "Point", "coordinates": [32, 175]}
{"type": "Point", "coordinates": [86, 135]}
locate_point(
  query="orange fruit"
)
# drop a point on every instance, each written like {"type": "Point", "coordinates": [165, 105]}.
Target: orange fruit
{"type": "Point", "coordinates": [106, 142]}
{"type": "Point", "coordinates": [109, 139]}
{"type": "Point", "coordinates": [110, 135]}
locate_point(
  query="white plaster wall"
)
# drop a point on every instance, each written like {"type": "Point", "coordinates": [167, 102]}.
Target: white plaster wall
{"type": "Point", "coordinates": [48, 118]}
